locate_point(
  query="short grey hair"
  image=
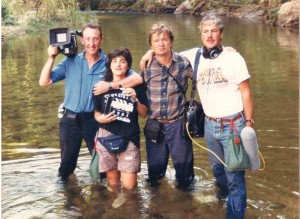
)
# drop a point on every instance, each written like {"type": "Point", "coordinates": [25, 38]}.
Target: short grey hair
{"type": "Point", "coordinates": [93, 26]}
{"type": "Point", "coordinates": [211, 18]}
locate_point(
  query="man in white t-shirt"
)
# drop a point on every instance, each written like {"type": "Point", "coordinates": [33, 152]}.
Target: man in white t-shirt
{"type": "Point", "coordinates": [224, 90]}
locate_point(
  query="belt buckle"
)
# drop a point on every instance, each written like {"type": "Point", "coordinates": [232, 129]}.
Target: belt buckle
{"type": "Point", "coordinates": [165, 121]}
{"type": "Point", "coordinates": [71, 115]}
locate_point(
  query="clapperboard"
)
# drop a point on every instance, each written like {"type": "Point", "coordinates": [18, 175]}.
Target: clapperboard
{"type": "Point", "coordinates": [121, 105]}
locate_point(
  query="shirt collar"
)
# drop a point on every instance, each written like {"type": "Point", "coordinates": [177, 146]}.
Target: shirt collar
{"type": "Point", "coordinates": [174, 58]}
{"type": "Point", "coordinates": [102, 54]}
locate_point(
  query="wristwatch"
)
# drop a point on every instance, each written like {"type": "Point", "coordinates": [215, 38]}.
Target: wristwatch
{"type": "Point", "coordinates": [110, 86]}
{"type": "Point", "coordinates": [250, 120]}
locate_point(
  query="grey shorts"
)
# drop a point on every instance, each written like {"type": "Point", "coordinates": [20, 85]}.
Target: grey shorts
{"type": "Point", "coordinates": [128, 161]}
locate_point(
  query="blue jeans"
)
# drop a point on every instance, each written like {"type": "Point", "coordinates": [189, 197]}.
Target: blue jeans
{"type": "Point", "coordinates": [229, 182]}
{"type": "Point", "coordinates": [71, 134]}
{"type": "Point", "coordinates": [180, 149]}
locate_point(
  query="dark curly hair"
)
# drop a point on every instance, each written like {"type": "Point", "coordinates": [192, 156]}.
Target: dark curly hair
{"type": "Point", "coordinates": [113, 54]}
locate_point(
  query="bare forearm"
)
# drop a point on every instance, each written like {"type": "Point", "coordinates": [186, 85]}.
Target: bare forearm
{"type": "Point", "coordinates": [142, 109]}
{"type": "Point", "coordinates": [147, 58]}
{"type": "Point", "coordinates": [45, 78]}
{"type": "Point", "coordinates": [97, 116]}
{"type": "Point", "coordinates": [248, 106]}
{"type": "Point", "coordinates": [130, 81]}
{"type": "Point", "coordinates": [247, 101]}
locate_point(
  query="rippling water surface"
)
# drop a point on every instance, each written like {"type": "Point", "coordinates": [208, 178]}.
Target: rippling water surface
{"type": "Point", "coordinates": [30, 149]}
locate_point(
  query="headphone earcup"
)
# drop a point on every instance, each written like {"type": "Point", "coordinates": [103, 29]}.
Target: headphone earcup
{"type": "Point", "coordinates": [214, 52]}
{"type": "Point", "coordinates": [211, 53]}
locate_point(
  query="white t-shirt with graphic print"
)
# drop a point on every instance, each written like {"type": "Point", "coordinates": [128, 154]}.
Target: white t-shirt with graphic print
{"type": "Point", "coordinates": [218, 82]}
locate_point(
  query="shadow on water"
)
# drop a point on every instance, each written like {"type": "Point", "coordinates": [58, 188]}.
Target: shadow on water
{"type": "Point", "coordinates": [30, 149]}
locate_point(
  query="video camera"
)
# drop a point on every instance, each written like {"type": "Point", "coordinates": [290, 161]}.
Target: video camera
{"type": "Point", "coordinates": [65, 40]}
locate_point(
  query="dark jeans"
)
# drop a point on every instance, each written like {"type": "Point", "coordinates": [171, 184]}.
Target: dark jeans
{"type": "Point", "coordinates": [180, 149]}
{"type": "Point", "coordinates": [71, 134]}
{"type": "Point", "coordinates": [231, 183]}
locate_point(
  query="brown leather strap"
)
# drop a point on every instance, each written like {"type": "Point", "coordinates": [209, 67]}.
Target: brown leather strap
{"type": "Point", "coordinates": [225, 120]}
{"type": "Point", "coordinates": [168, 121]}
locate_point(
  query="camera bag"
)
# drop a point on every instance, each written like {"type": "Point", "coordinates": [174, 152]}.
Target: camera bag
{"type": "Point", "coordinates": [236, 157]}
{"type": "Point", "coordinates": [154, 131]}
{"type": "Point", "coordinates": [94, 165]}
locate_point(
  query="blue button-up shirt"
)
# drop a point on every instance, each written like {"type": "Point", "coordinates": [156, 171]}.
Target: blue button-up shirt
{"type": "Point", "coordinates": [79, 80]}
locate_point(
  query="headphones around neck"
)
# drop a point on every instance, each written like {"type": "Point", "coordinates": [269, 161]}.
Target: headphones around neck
{"type": "Point", "coordinates": [211, 53]}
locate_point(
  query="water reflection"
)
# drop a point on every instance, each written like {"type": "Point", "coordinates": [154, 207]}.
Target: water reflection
{"type": "Point", "coordinates": [37, 192]}
{"type": "Point", "coordinates": [30, 149]}
{"type": "Point", "coordinates": [30, 188]}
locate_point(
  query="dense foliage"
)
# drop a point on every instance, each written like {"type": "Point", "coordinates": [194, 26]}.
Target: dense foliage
{"type": "Point", "coordinates": [39, 14]}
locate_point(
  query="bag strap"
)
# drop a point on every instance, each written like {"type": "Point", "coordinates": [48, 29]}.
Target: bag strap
{"type": "Point", "coordinates": [179, 85]}
{"type": "Point", "coordinates": [194, 82]}
{"type": "Point", "coordinates": [233, 127]}
{"type": "Point", "coordinates": [95, 141]}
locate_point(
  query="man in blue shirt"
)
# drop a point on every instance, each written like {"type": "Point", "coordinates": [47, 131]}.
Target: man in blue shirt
{"type": "Point", "coordinates": [81, 74]}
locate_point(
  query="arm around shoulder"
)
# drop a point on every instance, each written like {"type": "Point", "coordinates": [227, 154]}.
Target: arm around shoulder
{"type": "Point", "coordinates": [130, 81]}
{"type": "Point", "coordinates": [147, 58]}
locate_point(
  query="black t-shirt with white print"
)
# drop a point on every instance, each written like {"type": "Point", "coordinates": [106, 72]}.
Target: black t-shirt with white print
{"type": "Point", "coordinates": [124, 108]}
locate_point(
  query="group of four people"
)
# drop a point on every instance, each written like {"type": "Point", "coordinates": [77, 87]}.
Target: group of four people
{"type": "Point", "coordinates": [158, 93]}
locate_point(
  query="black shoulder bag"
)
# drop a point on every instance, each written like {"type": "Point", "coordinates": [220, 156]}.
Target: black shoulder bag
{"type": "Point", "coordinates": [194, 114]}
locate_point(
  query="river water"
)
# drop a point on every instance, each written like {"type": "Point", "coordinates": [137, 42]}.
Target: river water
{"type": "Point", "coordinates": [30, 150]}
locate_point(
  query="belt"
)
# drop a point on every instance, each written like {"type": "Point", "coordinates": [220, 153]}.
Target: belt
{"type": "Point", "coordinates": [224, 120]}
{"type": "Point", "coordinates": [83, 116]}
{"type": "Point", "coordinates": [168, 121]}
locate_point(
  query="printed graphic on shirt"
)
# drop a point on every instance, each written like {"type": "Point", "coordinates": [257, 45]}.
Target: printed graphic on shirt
{"type": "Point", "coordinates": [212, 78]}
{"type": "Point", "coordinates": [121, 105]}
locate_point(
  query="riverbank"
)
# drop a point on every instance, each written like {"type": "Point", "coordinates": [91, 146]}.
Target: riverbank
{"type": "Point", "coordinates": [285, 15]}
{"type": "Point", "coordinates": [29, 23]}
